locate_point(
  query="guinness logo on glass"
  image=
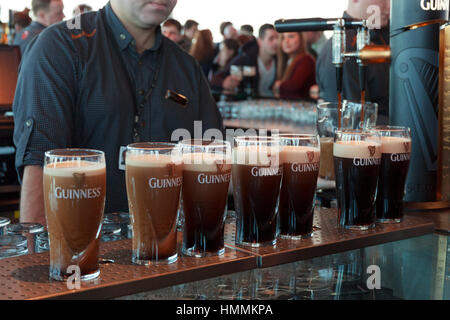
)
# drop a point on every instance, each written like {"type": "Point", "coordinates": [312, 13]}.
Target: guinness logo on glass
{"type": "Point", "coordinates": [310, 155]}
{"type": "Point", "coordinates": [407, 146]}
{"type": "Point", "coordinates": [372, 150]}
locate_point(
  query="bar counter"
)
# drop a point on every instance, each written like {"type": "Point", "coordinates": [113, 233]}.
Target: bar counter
{"type": "Point", "coordinates": [331, 256]}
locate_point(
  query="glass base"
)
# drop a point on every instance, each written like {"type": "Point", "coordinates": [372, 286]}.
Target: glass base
{"type": "Point", "coordinates": [388, 221]}
{"type": "Point", "coordinates": [359, 228]}
{"type": "Point", "coordinates": [145, 262]}
{"type": "Point", "coordinates": [84, 277]}
{"type": "Point", "coordinates": [257, 244]}
{"type": "Point", "coordinates": [90, 276]}
{"type": "Point", "coordinates": [196, 253]}
{"type": "Point", "coordinates": [296, 237]}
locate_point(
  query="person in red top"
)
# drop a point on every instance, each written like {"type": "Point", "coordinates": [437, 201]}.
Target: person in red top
{"type": "Point", "coordinates": [296, 72]}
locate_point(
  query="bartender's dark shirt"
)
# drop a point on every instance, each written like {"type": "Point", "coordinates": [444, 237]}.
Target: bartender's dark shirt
{"type": "Point", "coordinates": [73, 91]}
{"type": "Point", "coordinates": [377, 74]}
{"type": "Point", "coordinates": [24, 37]}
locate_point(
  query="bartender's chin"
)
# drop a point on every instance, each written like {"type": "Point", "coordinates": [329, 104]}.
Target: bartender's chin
{"type": "Point", "coordinates": [153, 19]}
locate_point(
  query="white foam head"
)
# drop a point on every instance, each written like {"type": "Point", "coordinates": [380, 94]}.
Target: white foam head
{"type": "Point", "coordinates": [357, 149]}
{"type": "Point", "coordinates": [256, 155]}
{"type": "Point", "coordinates": [206, 162]}
{"type": "Point", "coordinates": [68, 168]}
{"type": "Point", "coordinates": [395, 145]}
{"type": "Point", "coordinates": [299, 154]}
{"type": "Point", "coordinates": [152, 160]}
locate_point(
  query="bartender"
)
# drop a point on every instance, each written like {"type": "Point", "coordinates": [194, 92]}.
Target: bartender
{"type": "Point", "coordinates": [103, 87]}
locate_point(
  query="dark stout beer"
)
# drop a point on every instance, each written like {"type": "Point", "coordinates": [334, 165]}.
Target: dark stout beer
{"type": "Point", "coordinates": [394, 170]}
{"type": "Point", "coordinates": [357, 166]}
{"type": "Point", "coordinates": [153, 187]}
{"type": "Point", "coordinates": [300, 171]}
{"type": "Point", "coordinates": [206, 179]}
{"type": "Point", "coordinates": [74, 199]}
{"type": "Point", "coordinates": [256, 188]}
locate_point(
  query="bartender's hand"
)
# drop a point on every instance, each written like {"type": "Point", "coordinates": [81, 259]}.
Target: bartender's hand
{"type": "Point", "coordinates": [32, 196]}
{"type": "Point", "coordinates": [231, 83]}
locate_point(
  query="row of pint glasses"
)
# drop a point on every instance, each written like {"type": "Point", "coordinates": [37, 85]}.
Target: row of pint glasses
{"type": "Point", "coordinates": [371, 167]}
{"type": "Point", "coordinates": [196, 173]}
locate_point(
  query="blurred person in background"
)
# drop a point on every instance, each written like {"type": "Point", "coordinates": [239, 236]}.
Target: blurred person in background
{"type": "Point", "coordinates": [296, 68]}
{"type": "Point", "coordinates": [203, 50]}
{"type": "Point", "coordinates": [245, 34]}
{"type": "Point", "coordinates": [259, 53]}
{"type": "Point", "coordinates": [47, 12]}
{"type": "Point", "coordinates": [21, 20]}
{"type": "Point", "coordinates": [223, 26]}
{"type": "Point", "coordinates": [230, 32]}
{"type": "Point", "coordinates": [229, 49]}
{"type": "Point", "coordinates": [189, 31]}
{"type": "Point", "coordinates": [315, 41]}
{"type": "Point", "coordinates": [172, 29]}
{"type": "Point", "coordinates": [80, 9]}
{"type": "Point", "coordinates": [377, 75]}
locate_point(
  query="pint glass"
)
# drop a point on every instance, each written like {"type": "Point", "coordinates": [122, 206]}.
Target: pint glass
{"type": "Point", "coordinates": [395, 158]}
{"type": "Point", "coordinates": [327, 124]}
{"type": "Point", "coordinates": [154, 179]}
{"type": "Point", "coordinates": [300, 157]}
{"type": "Point", "coordinates": [206, 178]}
{"type": "Point", "coordinates": [257, 174]}
{"type": "Point", "coordinates": [357, 161]}
{"type": "Point", "coordinates": [74, 199]}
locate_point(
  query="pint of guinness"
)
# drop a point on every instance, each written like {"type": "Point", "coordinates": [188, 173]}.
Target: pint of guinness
{"type": "Point", "coordinates": [206, 178]}
{"type": "Point", "coordinates": [154, 180]}
{"type": "Point", "coordinates": [300, 156]}
{"type": "Point", "coordinates": [327, 124]}
{"type": "Point", "coordinates": [74, 199]}
{"type": "Point", "coordinates": [257, 173]}
{"type": "Point", "coordinates": [357, 161]}
{"type": "Point", "coordinates": [395, 158]}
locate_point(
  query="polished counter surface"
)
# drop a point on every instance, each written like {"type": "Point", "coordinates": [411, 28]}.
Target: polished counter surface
{"type": "Point", "coordinates": [26, 277]}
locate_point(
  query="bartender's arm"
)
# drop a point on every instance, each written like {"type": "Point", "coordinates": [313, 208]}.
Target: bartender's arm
{"type": "Point", "coordinates": [43, 113]}
{"type": "Point", "coordinates": [32, 197]}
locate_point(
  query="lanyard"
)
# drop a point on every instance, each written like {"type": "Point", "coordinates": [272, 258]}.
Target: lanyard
{"type": "Point", "coordinates": [137, 108]}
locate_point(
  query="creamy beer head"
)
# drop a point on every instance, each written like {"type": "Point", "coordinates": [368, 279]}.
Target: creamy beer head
{"type": "Point", "coordinates": [257, 155]}
{"type": "Point", "coordinates": [153, 160]}
{"type": "Point", "coordinates": [299, 154]}
{"type": "Point", "coordinates": [395, 145]}
{"type": "Point", "coordinates": [206, 162]}
{"type": "Point", "coordinates": [69, 168]}
{"type": "Point", "coordinates": [357, 149]}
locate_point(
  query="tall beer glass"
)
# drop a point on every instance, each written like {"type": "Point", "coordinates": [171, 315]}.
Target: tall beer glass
{"type": "Point", "coordinates": [300, 156]}
{"type": "Point", "coordinates": [327, 124]}
{"type": "Point", "coordinates": [154, 179]}
{"type": "Point", "coordinates": [206, 178]}
{"type": "Point", "coordinates": [357, 161]}
{"type": "Point", "coordinates": [74, 199]}
{"type": "Point", "coordinates": [395, 157]}
{"type": "Point", "coordinates": [257, 174]}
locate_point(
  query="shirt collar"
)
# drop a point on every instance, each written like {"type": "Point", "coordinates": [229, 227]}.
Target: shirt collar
{"type": "Point", "coordinates": [122, 36]}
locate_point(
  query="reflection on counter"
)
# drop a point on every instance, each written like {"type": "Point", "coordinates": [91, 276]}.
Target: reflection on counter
{"type": "Point", "coordinates": [409, 269]}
